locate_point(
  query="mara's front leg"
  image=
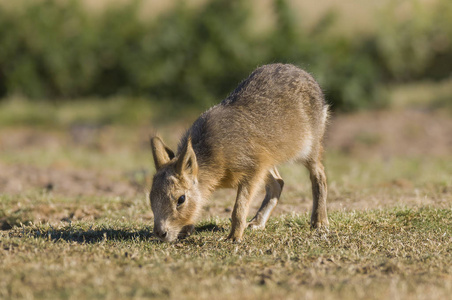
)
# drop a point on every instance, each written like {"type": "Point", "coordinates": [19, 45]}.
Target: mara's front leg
{"type": "Point", "coordinates": [245, 193]}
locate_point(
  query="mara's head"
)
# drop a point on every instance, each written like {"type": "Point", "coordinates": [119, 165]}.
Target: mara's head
{"type": "Point", "coordinates": [175, 196]}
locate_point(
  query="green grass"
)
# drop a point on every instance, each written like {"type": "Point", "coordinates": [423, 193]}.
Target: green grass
{"type": "Point", "coordinates": [95, 111]}
{"type": "Point", "coordinates": [375, 254]}
{"type": "Point", "coordinates": [424, 95]}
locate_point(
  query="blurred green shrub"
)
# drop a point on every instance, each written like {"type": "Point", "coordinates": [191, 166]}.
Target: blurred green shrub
{"type": "Point", "coordinates": [415, 41]}
{"type": "Point", "coordinates": [56, 50]}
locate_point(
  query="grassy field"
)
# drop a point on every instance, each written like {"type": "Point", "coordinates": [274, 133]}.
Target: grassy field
{"type": "Point", "coordinates": [76, 222]}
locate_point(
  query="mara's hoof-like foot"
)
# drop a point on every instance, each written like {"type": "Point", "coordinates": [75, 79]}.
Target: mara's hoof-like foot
{"type": "Point", "coordinates": [186, 231]}
{"type": "Point", "coordinates": [317, 224]}
{"type": "Point", "coordinates": [233, 238]}
{"type": "Point", "coordinates": [255, 225]}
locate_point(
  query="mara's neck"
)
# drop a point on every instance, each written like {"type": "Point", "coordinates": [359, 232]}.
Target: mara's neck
{"type": "Point", "coordinates": [208, 180]}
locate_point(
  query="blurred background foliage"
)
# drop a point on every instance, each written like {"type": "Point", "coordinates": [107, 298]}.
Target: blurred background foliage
{"type": "Point", "coordinates": [59, 51]}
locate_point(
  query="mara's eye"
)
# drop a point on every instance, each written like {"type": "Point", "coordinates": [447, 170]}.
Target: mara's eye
{"type": "Point", "coordinates": [181, 200]}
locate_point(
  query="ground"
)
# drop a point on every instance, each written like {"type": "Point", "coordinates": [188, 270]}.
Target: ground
{"type": "Point", "coordinates": [76, 222]}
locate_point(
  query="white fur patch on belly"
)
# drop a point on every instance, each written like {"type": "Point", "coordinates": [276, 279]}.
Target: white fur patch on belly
{"type": "Point", "coordinates": [325, 115]}
{"type": "Point", "coordinates": [307, 147]}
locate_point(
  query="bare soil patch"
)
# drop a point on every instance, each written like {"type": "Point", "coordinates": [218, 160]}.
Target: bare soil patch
{"type": "Point", "coordinates": [15, 179]}
{"type": "Point", "coordinates": [391, 133]}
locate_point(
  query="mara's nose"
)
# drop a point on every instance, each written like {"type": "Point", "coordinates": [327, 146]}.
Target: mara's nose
{"type": "Point", "coordinates": [161, 234]}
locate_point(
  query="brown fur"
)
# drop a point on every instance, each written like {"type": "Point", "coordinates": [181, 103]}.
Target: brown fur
{"type": "Point", "coordinates": [276, 115]}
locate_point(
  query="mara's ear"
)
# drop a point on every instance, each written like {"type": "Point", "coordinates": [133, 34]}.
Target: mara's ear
{"type": "Point", "coordinates": [161, 153]}
{"type": "Point", "coordinates": [186, 163]}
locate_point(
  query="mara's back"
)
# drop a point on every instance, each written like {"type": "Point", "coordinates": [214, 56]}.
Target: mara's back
{"type": "Point", "coordinates": [277, 114]}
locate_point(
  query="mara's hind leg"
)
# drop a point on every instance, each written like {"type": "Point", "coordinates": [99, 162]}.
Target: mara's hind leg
{"type": "Point", "coordinates": [319, 216]}
{"type": "Point", "coordinates": [273, 189]}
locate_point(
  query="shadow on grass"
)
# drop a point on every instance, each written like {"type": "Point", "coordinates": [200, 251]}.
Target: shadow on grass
{"type": "Point", "coordinates": [210, 228]}
{"type": "Point", "coordinates": [104, 234]}
{"type": "Point", "coordinates": [94, 236]}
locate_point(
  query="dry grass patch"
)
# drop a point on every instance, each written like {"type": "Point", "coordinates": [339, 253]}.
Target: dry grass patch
{"type": "Point", "coordinates": [371, 254]}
